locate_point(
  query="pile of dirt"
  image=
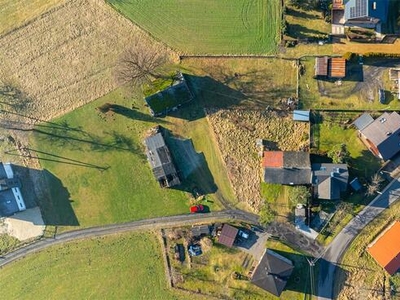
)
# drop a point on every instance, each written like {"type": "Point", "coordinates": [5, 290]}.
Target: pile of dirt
{"type": "Point", "coordinates": [66, 57]}
{"type": "Point", "coordinates": [237, 130]}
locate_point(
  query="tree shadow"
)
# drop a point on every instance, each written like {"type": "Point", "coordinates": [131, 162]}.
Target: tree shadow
{"type": "Point", "coordinates": [300, 14]}
{"type": "Point", "coordinates": [299, 31]}
{"type": "Point", "coordinates": [133, 113]}
{"type": "Point", "coordinates": [192, 166]}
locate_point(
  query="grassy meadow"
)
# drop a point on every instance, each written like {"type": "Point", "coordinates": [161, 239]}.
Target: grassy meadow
{"type": "Point", "coordinates": [97, 168]}
{"type": "Point", "coordinates": [125, 266]}
{"type": "Point", "coordinates": [209, 27]}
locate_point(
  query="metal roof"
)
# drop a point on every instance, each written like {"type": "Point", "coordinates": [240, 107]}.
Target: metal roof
{"type": "Point", "coordinates": [228, 235]}
{"type": "Point", "coordinates": [363, 121]}
{"type": "Point", "coordinates": [386, 248]}
{"type": "Point", "coordinates": [301, 115]}
{"type": "Point", "coordinates": [337, 67]}
{"type": "Point", "coordinates": [321, 66]}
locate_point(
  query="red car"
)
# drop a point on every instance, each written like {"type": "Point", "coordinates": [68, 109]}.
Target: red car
{"type": "Point", "coordinates": [196, 208]}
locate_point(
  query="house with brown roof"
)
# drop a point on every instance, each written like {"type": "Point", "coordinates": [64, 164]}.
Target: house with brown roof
{"type": "Point", "coordinates": [287, 167]}
{"type": "Point", "coordinates": [228, 235]}
{"type": "Point", "coordinates": [382, 135]}
{"type": "Point", "coordinates": [333, 67]}
{"type": "Point", "coordinates": [385, 249]}
{"type": "Point", "coordinates": [272, 272]}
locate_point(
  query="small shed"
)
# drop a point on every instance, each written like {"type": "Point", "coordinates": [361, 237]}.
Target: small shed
{"type": "Point", "coordinates": [337, 67]}
{"type": "Point", "coordinates": [355, 184]}
{"type": "Point", "coordinates": [321, 66]}
{"type": "Point", "coordinates": [228, 235]}
{"type": "Point", "coordinates": [301, 115]}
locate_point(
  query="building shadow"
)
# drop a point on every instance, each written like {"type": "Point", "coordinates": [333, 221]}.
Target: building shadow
{"type": "Point", "coordinates": [41, 188]}
{"type": "Point", "coordinates": [56, 205]}
{"type": "Point", "coordinates": [192, 166]}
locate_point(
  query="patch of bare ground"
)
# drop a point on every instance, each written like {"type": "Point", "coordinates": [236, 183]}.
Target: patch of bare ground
{"type": "Point", "coordinates": [236, 131]}
{"type": "Point", "coordinates": [66, 57]}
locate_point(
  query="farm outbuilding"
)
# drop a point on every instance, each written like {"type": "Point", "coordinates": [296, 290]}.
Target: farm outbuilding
{"type": "Point", "coordinates": [337, 67]}
{"type": "Point", "coordinates": [385, 249]}
{"type": "Point", "coordinates": [301, 115]}
{"type": "Point", "coordinates": [160, 161]}
{"type": "Point", "coordinates": [228, 235]}
{"type": "Point", "coordinates": [321, 66]}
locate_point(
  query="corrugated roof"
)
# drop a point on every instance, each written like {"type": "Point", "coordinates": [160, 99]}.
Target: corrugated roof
{"type": "Point", "coordinates": [337, 67]}
{"type": "Point", "coordinates": [321, 66]}
{"type": "Point", "coordinates": [301, 115]}
{"type": "Point", "coordinates": [228, 235]}
{"type": "Point", "coordinates": [386, 248]}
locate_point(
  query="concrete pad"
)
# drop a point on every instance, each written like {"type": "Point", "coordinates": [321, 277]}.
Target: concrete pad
{"type": "Point", "coordinates": [307, 231]}
{"type": "Point", "coordinates": [25, 225]}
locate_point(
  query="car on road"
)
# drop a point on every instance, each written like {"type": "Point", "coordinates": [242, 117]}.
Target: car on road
{"type": "Point", "coordinates": [196, 209]}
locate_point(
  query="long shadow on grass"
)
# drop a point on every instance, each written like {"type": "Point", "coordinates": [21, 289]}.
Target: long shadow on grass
{"type": "Point", "coordinates": [192, 166]}
{"type": "Point", "coordinates": [42, 188]}
{"type": "Point", "coordinates": [133, 114]}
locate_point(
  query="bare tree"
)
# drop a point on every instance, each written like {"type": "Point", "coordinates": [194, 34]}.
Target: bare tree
{"type": "Point", "coordinates": [140, 63]}
{"type": "Point", "coordinates": [375, 184]}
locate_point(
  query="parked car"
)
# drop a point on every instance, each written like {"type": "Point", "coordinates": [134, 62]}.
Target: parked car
{"type": "Point", "coordinates": [196, 208]}
{"type": "Point", "coordinates": [194, 250]}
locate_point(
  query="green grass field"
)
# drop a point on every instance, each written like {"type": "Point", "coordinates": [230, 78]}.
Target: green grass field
{"type": "Point", "coordinates": [14, 13]}
{"type": "Point", "coordinates": [208, 26]}
{"type": "Point", "coordinates": [75, 148]}
{"type": "Point", "coordinates": [126, 266]}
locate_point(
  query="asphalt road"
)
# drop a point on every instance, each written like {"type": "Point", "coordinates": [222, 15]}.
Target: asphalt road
{"type": "Point", "coordinates": [339, 245]}
{"type": "Point", "coordinates": [148, 224]}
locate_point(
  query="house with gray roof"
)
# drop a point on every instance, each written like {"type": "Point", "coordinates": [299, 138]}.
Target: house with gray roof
{"type": "Point", "coordinates": [160, 161]}
{"type": "Point", "coordinates": [11, 200]}
{"type": "Point", "coordinates": [329, 180]}
{"type": "Point", "coordinates": [382, 135]}
{"type": "Point", "coordinates": [358, 13]}
{"type": "Point", "coordinates": [272, 272]}
{"type": "Point", "coordinates": [287, 167]}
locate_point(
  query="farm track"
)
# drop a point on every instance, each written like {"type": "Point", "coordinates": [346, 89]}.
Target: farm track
{"type": "Point", "coordinates": [148, 224]}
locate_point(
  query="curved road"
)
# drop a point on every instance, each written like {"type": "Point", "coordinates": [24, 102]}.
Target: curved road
{"type": "Point", "coordinates": [155, 223]}
{"type": "Point", "coordinates": [334, 252]}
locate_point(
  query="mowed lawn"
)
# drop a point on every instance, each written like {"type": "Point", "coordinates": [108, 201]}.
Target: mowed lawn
{"type": "Point", "coordinates": [126, 266]}
{"type": "Point", "coordinates": [15, 13]}
{"type": "Point", "coordinates": [97, 169]}
{"type": "Point", "coordinates": [209, 26]}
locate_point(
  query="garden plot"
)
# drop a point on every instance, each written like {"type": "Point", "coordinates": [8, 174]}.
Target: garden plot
{"type": "Point", "coordinates": [236, 132]}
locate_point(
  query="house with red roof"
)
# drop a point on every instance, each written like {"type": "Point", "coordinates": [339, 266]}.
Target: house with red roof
{"type": "Point", "coordinates": [385, 249]}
